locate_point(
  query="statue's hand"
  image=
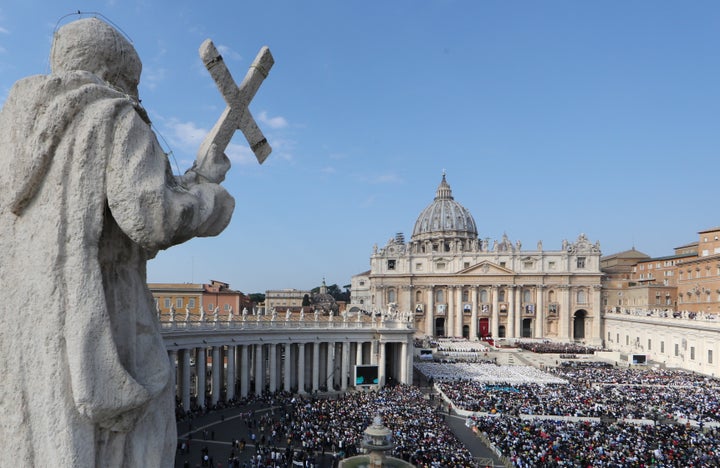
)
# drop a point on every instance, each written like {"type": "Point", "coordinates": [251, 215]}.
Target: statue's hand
{"type": "Point", "coordinates": [212, 166]}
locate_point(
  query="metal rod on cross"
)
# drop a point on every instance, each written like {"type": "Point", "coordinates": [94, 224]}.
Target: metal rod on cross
{"type": "Point", "coordinates": [236, 116]}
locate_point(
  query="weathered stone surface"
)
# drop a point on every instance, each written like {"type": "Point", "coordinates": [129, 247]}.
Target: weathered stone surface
{"type": "Point", "coordinates": [87, 197]}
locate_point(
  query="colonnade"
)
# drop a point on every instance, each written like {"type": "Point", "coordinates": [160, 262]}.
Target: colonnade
{"type": "Point", "coordinates": [226, 371]}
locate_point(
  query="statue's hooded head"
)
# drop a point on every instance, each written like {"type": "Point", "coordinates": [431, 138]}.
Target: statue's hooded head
{"type": "Point", "coordinates": [94, 46]}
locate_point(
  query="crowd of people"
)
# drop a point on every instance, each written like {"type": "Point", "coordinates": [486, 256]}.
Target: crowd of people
{"type": "Point", "coordinates": [596, 415]}
{"type": "Point", "coordinates": [545, 347]}
{"type": "Point", "coordinates": [301, 429]}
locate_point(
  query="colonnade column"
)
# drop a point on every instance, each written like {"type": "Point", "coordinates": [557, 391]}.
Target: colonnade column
{"type": "Point", "coordinates": [474, 315]}
{"type": "Point", "coordinates": [259, 369]}
{"type": "Point", "coordinates": [359, 353]}
{"type": "Point", "coordinates": [345, 365]}
{"type": "Point", "coordinates": [316, 367]}
{"type": "Point", "coordinates": [216, 366]}
{"type": "Point", "coordinates": [429, 316]}
{"type": "Point", "coordinates": [244, 370]}
{"type": "Point", "coordinates": [381, 363]}
{"type": "Point", "coordinates": [301, 368]}
{"type": "Point", "coordinates": [287, 376]}
{"type": "Point", "coordinates": [231, 372]}
{"type": "Point", "coordinates": [273, 366]}
{"type": "Point", "coordinates": [495, 313]}
{"type": "Point", "coordinates": [540, 312]}
{"type": "Point", "coordinates": [201, 366]}
{"type": "Point", "coordinates": [172, 358]}
{"type": "Point", "coordinates": [186, 379]}
{"type": "Point", "coordinates": [329, 365]}
{"type": "Point", "coordinates": [510, 330]}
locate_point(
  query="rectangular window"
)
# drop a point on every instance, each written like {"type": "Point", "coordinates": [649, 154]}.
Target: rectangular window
{"type": "Point", "coordinates": [627, 340]}
{"type": "Point", "coordinates": [502, 264]}
{"type": "Point", "coordinates": [692, 353]}
{"type": "Point", "coordinates": [168, 302]}
{"type": "Point", "coordinates": [662, 347]}
{"type": "Point", "coordinates": [466, 265]}
{"type": "Point", "coordinates": [710, 356]}
{"type": "Point", "coordinates": [649, 344]}
{"type": "Point", "coordinates": [226, 307]}
{"type": "Point", "coordinates": [191, 303]}
{"type": "Point", "coordinates": [211, 306]}
{"type": "Point", "coordinates": [677, 350]}
{"type": "Point", "coordinates": [391, 264]}
{"type": "Point", "coordinates": [178, 303]}
{"type": "Point", "coordinates": [581, 262]}
{"type": "Point", "coordinates": [418, 266]}
{"type": "Point", "coordinates": [528, 265]}
{"type": "Point", "coordinates": [440, 266]}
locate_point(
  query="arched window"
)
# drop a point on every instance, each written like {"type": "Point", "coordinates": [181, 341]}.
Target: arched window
{"type": "Point", "coordinates": [483, 296]}
{"type": "Point", "coordinates": [527, 295]}
{"type": "Point", "coordinates": [501, 295]}
{"type": "Point", "coordinates": [551, 296]}
{"type": "Point", "coordinates": [392, 297]}
{"type": "Point", "coordinates": [418, 296]}
{"type": "Point", "coordinates": [439, 296]}
{"type": "Point", "coordinates": [581, 297]}
{"type": "Point", "coordinates": [466, 295]}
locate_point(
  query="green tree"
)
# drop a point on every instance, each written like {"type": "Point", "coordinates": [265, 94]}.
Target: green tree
{"type": "Point", "coordinates": [257, 297]}
{"type": "Point", "coordinates": [306, 300]}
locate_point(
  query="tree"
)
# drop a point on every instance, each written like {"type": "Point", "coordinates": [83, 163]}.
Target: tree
{"type": "Point", "coordinates": [306, 300]}
{"type": "Point", "coordinates": [257, 297]}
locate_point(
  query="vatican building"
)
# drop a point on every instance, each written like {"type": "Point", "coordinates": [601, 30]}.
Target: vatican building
{"type": "Point", "coordinates": [455, 283]}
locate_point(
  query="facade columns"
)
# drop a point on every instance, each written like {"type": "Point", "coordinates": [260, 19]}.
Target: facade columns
{"type": "Point", "coordinates": [450, 312]}
{"type": "Point", "coordinates": [316, 367]}
{"type": "Point", "coordinates": [597, 337]}
{"type": "Point", "coordinates": [564, 332]}
{"type": "Point", "coordinates": [201, 367]}
{"type": "Point", "coordinates": [186, 379]}
{"type": "Point", "coordinates": [259, 369]}
{"type": "Point", "coordinates": [459, 311]}
{"type": "Point", "coordinates": [518, 311]}
{"type": "Point", "coordinates": [510, 330]}
{"type": "Point", "coordinates": [404, 363]}
{"type": "Point", "coordinates": [495, 313]}
{"type": "Point", "coordinates": [429, 313]}
{"type": "Point", "coordinates": [287, 376]}
{"type": "Point", "coordinates": [540, 312]}
{"type": "Point", "coordinates": [231, 379]}
{"type": "Point", "coordinates": [359, 353]}
{"type": "Point", "coordinates": [273, 366]}
{"type": "Point", "coordinates": [216, 365]}
{"type": "Point", "coordinates": [244, 370]}
{"type": "Point", "coordinates": [474, 314]}
{"type": "Point", "coordinates": [301, 368]}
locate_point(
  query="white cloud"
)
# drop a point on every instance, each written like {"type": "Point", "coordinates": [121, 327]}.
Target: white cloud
{"type": "Point", "coordinates": [328, 170]}
{"type": "Point", "coordinates": [384, 179]}
{"type": "Point", "coordinates": [240, 154]}
{"type": "Point", "coordinates": [272, 122]}
{"type": "Point", "coordinates": [186, 134]}
{"type": "Point", "coordinates": [4, 30]}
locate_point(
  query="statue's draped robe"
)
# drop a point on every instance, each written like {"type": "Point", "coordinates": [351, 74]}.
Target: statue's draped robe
{"type": "Point", "coordinates": [86, 197]}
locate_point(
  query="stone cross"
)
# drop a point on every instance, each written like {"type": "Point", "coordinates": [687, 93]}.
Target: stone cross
{"type": "Point", "coordinates": [236, 115]}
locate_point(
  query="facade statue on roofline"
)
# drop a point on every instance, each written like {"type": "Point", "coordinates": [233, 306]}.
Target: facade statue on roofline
{"type": "Point", "coordinates": [87, 199]}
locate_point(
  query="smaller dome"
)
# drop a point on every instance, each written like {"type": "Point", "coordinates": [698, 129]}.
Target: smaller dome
{"type": "Point", "coordinates": [444, 218]}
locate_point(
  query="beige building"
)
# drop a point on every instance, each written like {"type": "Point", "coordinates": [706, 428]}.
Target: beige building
{"type": "Point", "coordinates": [187, 298]}
{"type": "Point", "coordinates": [283, 299]}
{"type": "Point", "coordinates": [455, 283]}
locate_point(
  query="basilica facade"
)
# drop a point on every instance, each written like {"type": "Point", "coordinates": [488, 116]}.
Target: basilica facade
{"type": "Point", "coordinates": [454, 283]}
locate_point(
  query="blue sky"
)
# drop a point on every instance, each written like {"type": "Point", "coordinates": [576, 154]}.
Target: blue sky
{"type": "Point", "coordinates": [550, 119]}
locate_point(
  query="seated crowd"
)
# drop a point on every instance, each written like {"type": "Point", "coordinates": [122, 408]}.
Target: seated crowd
{"type": "Point", "coordinates": [607, 394]}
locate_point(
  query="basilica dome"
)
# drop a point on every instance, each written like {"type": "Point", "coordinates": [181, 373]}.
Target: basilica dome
{"type": "Point", "coordinates": [444, 218]}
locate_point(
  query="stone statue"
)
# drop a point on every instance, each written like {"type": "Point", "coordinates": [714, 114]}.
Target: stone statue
{"type": "Point", "coordinates": [202, 313]}
{"type": "Point", "coordinates": [88, 197]}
